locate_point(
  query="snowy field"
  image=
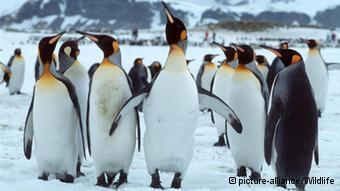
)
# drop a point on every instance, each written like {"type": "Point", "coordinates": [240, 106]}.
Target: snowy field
{"type": "Point", "coordinates": [210, 167]}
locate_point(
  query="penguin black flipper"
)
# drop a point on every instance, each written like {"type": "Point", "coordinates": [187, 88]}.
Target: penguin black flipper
{"type": "Point", "coordinates": [92, 69]}
{"type": "Point", "coordinates": [199, 76]}
{"type": "Point", "coordinates": [37, 69]}
{"type": "Point", "coordinates": [207, 100]}
{"type": "Point", "coordinates": [74, 98]}
{"type": "Point", "coordinates": [28, 131]}
{"type": "Point", "coordinates": [316, 150]}
{"type": "Point", "coordinates": [272, 122]}
{"type": "Point", "coordinates": [88, 114]}
{"type": "Point", "coordinates": [10, 62]}
{"type": "Point", "coordinates": [211, 90]}
{"type": "Point", "coordinates": [264, 87]}
{"type": "Point", "coordinates": [333, 66]}
{"type": "Point", "coordinates": [138, 130]}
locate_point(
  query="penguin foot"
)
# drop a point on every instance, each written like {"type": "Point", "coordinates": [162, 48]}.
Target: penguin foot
{"type": "Point", "coordinates": [242, 171]}
{"type": "Point", "coordinates": [110, 178]}
{"type": "Point", "coordinates": [176, 182]}
{"type": "Point", "coordinates": [122, 179]}
{"type": "Point", "coordinates": [79, 173]}
{"type": "Point", "coordinates": [220, 142]}
{"type": "Point", "coordinates": [43, 177]}
{"type": "Point", "coordinates": [255, 175]}
{"type": "Point", "coordinates": [67, 178]}
{"type": "Point", "coordinates": [155, 181]}
{"type": "Point", "coordinates": [101, 181]}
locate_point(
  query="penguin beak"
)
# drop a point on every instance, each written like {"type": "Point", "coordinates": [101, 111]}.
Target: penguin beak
{"type": "Point", "coordinates": [238, 47]}
{"type": "Point", "coordinates": [277, 52]}
{"type": "Point", "coordinates": [81, 38]}
{"type": "Point", "coordinates": [220, 46]}
{"type": "Point", "coordinates": [304, 40]}
{"type": "Point", "coordinates": [215, 55]}
{"type": "Point", "coordinates": [168, 13]}
{"type": "Point", "coordinates": [92, 37]}
{"type": "Point", "coordinates": [55, 38]}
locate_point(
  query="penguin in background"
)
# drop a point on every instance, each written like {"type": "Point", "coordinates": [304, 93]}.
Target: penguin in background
{"type": "Point", "coordinates": [292, 123]}
{"type": "Point", "coordinates": [109, 89]}
{"type": "Point", "coordinates": [77, 74]}
{"type": "Point", "coordinates": [5, 74]}
{"type": "Point", "coordinates": [55, 140]}
{"type": "Point", "coordinates": [249, 99]}
{"type": "Point", "coordinates": [317, 73]}
{"type": "Point", "coordinates": [154, 68]}
{"type": "Point", "coordinates": [275, 67]}
{"type": "Point", "coordinates": [221, 88]}
{"type": "Point", "coordinates": [139, 75]}
{"type": "Point", "coordinates": [92, 69]}
{"type": "Point", "coordinates": [171, 116]}
{"type": "Point", "coordinates": [206, 72]}
{"type": "Point", "coordinates": [262, 65]}
{"type": "Point", "coordinates": [17, 66]}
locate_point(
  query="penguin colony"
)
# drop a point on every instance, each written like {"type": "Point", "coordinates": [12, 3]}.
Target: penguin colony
{"type": "Point", "coordinates": [262, 113]}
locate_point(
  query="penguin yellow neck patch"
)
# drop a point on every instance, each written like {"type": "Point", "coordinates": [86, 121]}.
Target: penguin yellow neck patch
{"type": "Point", "coordinates": [47, 79]}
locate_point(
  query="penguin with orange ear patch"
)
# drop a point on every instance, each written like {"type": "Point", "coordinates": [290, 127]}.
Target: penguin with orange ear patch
{"type": "Point", "coordinates": [317, 73]}
{"type": "Point", "coordinates": [292, 123]}
{"type": "Point", "coordinates": [55, 140]}
{"type": "Point", "coordinates": [109, 89]}
{"type": "Point", "coordinates": [248, 98]}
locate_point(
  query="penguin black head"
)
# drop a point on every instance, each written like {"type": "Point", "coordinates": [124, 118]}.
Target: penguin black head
{"type": "Point", "coordinates": [138, 61]}
{"type": "Point", "coordinates": [107, 44]}
{"type": "Point", "coordinates": [260, 59]}
{"type": "Point", "coordinates": [284, 45]}
{"type": "Point", "coordinates": [17, 51]}
{"type": "Point", "coordinates": [245, 53]}
{"type": "Point", "coordinates": [229, 52]}
{"type": "Point", "coordinates": [70, 48]}
{"type": "Point", "coordinates": [209, 57]}
{"type": "Point", "coordinates": [311, 43]}
{"type": "Point", "coordinates": [46, 47]}
{"type": "Point", "coordinates": [175, 30]}
{"type": "Point", "coordinates": [287, 56]}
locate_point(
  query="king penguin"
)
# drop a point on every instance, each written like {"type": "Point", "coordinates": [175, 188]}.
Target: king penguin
{"type": "Point", "coordinates": [17, 66]}
{"type": "Point", "coordinates": [275, 67]}
{"type": "Point", "coordinates": [292, 123]}
{"type": "Point", "coordinates": [171, 116]}
{"type": "Point", "coordinates": [248, 97]}
{"type": "Point", "coordinates": [221, 87]}
{"type": "Point", "coordinates": [262, 65]}
{"type": "Point", "coordinates": [139, 75]}
{"type": "Point", "coordinates": [55, 139]}
{"type": "Point", "coordinates": [5, 74]}
{"type": "Point", "coordinates": [110, 88]}
{"type": "Point", "coordinates": [317, 73]}
{"type": "Point", "coordinates": [77, 74]}
{"type": "Point", "coordinates": [206, 72]}
{"type": "Point", "coordinates": [154, 68]}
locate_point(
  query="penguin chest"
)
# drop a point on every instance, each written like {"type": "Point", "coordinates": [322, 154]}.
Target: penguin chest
{"type": "Point", "coordinates": [221, 86]}
{"type": "Point", "coordinates": [207, 76]}
{"type": "Point", "coordinates": [18, 73]}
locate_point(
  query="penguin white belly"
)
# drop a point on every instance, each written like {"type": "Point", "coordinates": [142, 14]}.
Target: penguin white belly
{"type": "Point", "coordinates": [110, 90]}
{"type": "Point", "coordinates": [171, 115]}
{"type": "Point", "coordinates": [207, 77]}
{"type": "Point", "coordinates": [55, 124]}
{"type": "Point", "coordinates": [264, 70]}
{"type": "Point", "coordinates": [79, 78]}
{"type": "Point", "coordinates": [2, 74]}
{"type": "Point", "coordinates": [318, 77]}
{"type": "Point", "coordinates": [221, 88]}
{"type": "Point", "coordinates": [18, 74]}
{"type": "Point", "coordinates": [247, 101]}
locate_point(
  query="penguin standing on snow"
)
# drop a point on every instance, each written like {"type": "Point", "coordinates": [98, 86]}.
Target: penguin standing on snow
{"type": "Point", "coordinates": [275, 67]}
{"type": "Point", "coordinates": [17, 66]}
{"type": "Point", "coordinates": [55, 140]}
{"type": "Point", "coordinates": [292, 123]}
{"type": "Point", "coordinates": [317, 73]}
{"type": "Point", "coordinates": [248, 97]}
{"type": "Point", "coordinates": [206, 72]}
{"type": "Point", "coordinates": [221, 88]}
{"type": "Point", "coordinates": [109, 90]}
{"type": "Point", "coordinates": [171, 116]}
{"type": "Point", "coordinates": [5, 73]}
{"type": "Point", "coordinates": [77, 74]}
{"type": "Point", "coordinates": [138, 75]}
{"type": "Point", "coordinates": [262, 65]}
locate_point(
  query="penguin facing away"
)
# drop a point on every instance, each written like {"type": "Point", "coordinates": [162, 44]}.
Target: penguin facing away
{"type": "Point", "coordinates": [53, 95]}
{"type": "Point", "coordinates": [206, 72]}
{"type": "Point", "coordinates": [154, 68]}
{"type": "Point", "coordinates": [262, 65]}
{"type": "Point", "coordinates": [317, 73]}
{"type": "Point", "coordinates": [77, 74]}
{"type": "Point", "coordinates": [292, 123]}
{"type": "Point", "coordinates": [17, 66]}
{"type": "Point", "coordinates": [139, 75]}
{"type": "Point", "coordinates": [5, 73]}
{"type": "Point", "coordinates": [275, 67]}
{"type": "Point", "coordinates": [171, 116]}
{"type": "Point", "coordinates": [220, 86]}
{"type": "Point", "coordinates": [110, 88]}
{"type": "Point", "coordinates": [249, 100]}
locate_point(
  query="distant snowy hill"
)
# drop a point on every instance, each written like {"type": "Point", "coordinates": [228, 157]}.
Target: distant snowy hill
{"type": "Point", "coordinates": [127, 14]}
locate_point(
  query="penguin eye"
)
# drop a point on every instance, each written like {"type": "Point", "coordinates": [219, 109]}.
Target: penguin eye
{"type": "Point", "coordinates": [115, 46]}
{"type": "Point", "coordinates": [67, 50]}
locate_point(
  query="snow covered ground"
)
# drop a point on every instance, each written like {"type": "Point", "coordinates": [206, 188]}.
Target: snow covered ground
{"type": "Point", "coordinates": [210, 167]}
